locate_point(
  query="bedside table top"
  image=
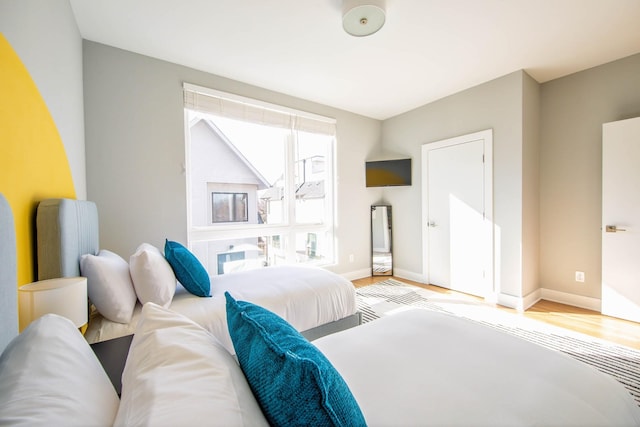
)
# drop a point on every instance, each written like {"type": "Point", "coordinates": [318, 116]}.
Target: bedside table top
{"type": "Point", "coordinates": [112, 354]}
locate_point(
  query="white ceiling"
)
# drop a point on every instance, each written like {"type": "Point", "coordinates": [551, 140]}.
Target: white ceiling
{"type": "Point", "coordinates": [428, 49]}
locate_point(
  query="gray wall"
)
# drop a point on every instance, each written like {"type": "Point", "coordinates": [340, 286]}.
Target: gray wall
{"type": "Point", "coordinates": [547, 173]}
{"type": "Point", "coordinates": [573, 111]}
{"type": "Point", "coordinates": [530, 187]}
{"type": "Point", "coordinates": [135, 153]}
{"type": "Point", "coordinates": [496, 105]}
{"type": "Point", "coordinates": [135, 150]}
{"type": "Point", "coordinates": [45, 36]}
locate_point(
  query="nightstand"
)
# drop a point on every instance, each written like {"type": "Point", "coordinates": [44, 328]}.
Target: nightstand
{"type": "Point", "coordinates": [112, 354]}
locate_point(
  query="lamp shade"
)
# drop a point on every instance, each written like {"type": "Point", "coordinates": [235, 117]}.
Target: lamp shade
{"type": "Point", "coordinates": [66, 296]}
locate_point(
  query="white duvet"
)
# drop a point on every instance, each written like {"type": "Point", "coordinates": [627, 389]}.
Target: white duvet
{"type": "Point", "coordinates": [305, 296]}
{"type": "Point", "coordinates": [421, 368]}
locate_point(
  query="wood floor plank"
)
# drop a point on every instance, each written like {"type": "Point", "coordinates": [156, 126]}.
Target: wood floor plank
{"type": "Point", "coordinates": [565, 316]}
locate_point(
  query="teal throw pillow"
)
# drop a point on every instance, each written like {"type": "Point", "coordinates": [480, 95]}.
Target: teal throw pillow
{"type": "Point", "coordinates": [292, 380]}
{"type": "Point", "coordinates": [188, 270]}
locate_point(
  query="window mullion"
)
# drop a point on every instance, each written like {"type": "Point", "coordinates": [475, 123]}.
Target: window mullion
{"type": "Point", "coordinates": [290, 197]}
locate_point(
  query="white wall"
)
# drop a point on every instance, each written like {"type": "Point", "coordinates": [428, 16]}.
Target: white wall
{"type": "Point", "coordinates": [45, 36]}
{"type": "Point", "coordinates": [135, 152]}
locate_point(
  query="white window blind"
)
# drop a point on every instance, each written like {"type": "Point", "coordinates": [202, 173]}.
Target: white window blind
{"type": "Point", "coordinates": [239, 108]}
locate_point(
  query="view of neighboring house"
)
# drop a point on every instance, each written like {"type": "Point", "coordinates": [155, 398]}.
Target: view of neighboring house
{"type": "Point", "coordinates": [228, 190]}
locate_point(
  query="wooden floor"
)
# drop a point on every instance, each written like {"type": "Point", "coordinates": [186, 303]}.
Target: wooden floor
{"type": "Point", "coordinates": [562, 315]}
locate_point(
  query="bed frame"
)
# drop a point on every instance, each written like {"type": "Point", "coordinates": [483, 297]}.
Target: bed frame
{"type": "Point", "coordinates": [68, 229]}
{"type": "Point", "coordinates": [8, 275]}
{"type": "Point", "coordinates": [333, 327]}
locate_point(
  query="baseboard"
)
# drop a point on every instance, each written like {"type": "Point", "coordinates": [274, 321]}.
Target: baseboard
{"type": "Point", "coordinates": [517, 303]}
{"type": "Point", "coordinates": [523, 303]}
{"type": "Point", "coordinates": [571, 299]}
{"type": "Point", "coordinates": [529, 300]}
{"type": "Point", "coordinates": [358, 274]}
{"type": "Point", "coordinates": [409, 275]}
{"type": "Point", "coordinates": [399, 273]}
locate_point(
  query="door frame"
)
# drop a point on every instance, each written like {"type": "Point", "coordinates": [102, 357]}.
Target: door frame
{"type": "Point", "coordinates": [487, 137]}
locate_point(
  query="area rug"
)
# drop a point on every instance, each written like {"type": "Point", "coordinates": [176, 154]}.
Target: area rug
{"type": "Point", "coordinates": [391, 296]}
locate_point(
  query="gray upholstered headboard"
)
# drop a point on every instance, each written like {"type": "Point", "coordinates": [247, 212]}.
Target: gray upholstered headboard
{"type": "Point", "coordinates": [8, 275]}
{"type": "Point", "coordinates": [66, 230]}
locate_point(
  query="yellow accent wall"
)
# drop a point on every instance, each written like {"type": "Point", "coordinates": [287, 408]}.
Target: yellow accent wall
{"type": "Point", "coordinates": [33, 162]}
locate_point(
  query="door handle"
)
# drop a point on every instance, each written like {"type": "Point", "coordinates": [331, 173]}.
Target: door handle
{"type": "Point", "coordinates": [432, 224]}
{"type": "Point", "coordinates": [613, 229]}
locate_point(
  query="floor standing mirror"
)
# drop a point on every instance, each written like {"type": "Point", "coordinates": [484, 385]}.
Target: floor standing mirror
{"type": "Point", "coordinates": [381, 248]}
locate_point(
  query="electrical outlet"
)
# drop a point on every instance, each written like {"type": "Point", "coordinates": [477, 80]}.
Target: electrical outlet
{"type": "Point", "coordinates": [579, 276]}
{"type": "Point", "coordinates": [352, 258]}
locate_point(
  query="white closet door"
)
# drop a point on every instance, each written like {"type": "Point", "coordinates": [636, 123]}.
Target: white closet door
{"type": "Point", "coordinates": [458, 233]}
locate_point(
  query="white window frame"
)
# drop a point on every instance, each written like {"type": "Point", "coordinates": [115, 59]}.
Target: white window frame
{"type": "Point", "coordinates": [289, 227]}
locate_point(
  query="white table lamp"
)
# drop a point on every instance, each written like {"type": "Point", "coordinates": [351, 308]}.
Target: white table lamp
{"type": "Point", "coordinates": [66, 296]}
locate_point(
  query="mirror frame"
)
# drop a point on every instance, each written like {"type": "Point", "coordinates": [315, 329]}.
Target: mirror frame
{"type": "Point", "coordinates": [381, 230]}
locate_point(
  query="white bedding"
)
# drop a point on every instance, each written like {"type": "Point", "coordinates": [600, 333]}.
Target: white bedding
{"type": "Point", "coordinates": [306, 297]}
{"type": "Point", "coordinates": [425, 368]}
{"type": "Point", "coordinates": [177, 374]}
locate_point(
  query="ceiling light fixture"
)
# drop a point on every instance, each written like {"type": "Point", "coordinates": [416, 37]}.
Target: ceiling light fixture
{"type": "Point", "coordinates": [362, 17]}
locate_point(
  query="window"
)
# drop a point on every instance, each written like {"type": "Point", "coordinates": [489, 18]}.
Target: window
{"type": "Point", "coordinates": [229, 207]}
{"type": "Point", "coordinates": [260, 182]}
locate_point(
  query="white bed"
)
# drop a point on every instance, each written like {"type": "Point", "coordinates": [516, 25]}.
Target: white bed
{"type": "Point", "coordinates": [432, 369]}
{"type": "Point", "coordinates": [307, 297]}
{"type": "Point", "coordinates": [316, 301]}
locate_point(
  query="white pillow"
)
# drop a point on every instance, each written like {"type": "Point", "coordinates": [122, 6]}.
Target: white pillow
{"type": "Point", "coordinates": [177, 373]}
{"type": "Point", "coordinates": [153, 277]}
{"type": "Point", "coordinates": [109, 285]}
{"type": "Point", "coordinates": [49, 376]}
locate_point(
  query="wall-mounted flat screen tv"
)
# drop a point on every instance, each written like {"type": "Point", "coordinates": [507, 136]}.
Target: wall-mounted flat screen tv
{"type": "Point", "coordinates": [387, 173]}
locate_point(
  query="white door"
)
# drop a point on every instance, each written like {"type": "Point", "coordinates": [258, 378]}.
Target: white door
{"type": "Point", "coordinates": [458, 242]}
{"type": "Point", "coordinates": [621, 219]}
